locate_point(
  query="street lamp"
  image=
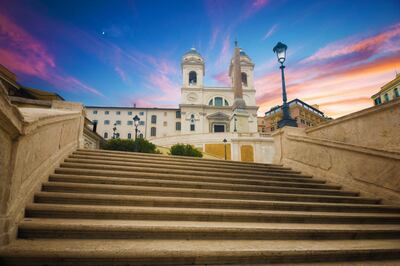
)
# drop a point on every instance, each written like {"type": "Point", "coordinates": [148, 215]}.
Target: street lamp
{"type": "Point", "coordinates": [280, 50]}
{"type": "Point", "coordinates": [136, 120]}
{"type": "Point", "coordinates": [234, 123]}
{"type": "Point", "coordinates": [225, 141]}
{"type": "Point", "coordinates": [114, 129]}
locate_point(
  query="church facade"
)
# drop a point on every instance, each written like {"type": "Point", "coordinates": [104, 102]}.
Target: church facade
{"type": "Point", "coordinates": [202, 110]}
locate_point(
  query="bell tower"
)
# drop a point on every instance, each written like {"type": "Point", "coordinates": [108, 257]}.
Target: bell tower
{"type": "Point", "coordinates": [192, 65]}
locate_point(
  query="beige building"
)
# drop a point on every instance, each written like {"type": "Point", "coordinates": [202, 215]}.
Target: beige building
{"type": "Point", "coordinates": [388, 92]}
{"type": "Point", "coordinates": [305, 115]}
{"type": "Point", "coordinates": [202, 109]}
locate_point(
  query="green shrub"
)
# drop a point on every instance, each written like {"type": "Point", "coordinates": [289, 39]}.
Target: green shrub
{"type": "Point", "coordinates": [185, 150]}
{"type": "Point", "coordinates": [138, 145]}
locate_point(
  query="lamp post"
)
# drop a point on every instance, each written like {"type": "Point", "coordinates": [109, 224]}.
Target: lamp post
{"type": "Point", "coordinates": [136, 120]}
{"type": "Point", "coordinates": [280, 50]}
{"type": "Point", "coordinates": [234, 123]}
{"type": "Point", "coordinates": [114, 129]}
{"type": "Point", "coordinates": [225, 141]}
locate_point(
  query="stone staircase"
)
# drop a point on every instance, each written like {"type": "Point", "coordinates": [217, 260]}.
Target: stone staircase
{"type": "Point", "coordinates": [116, 208]}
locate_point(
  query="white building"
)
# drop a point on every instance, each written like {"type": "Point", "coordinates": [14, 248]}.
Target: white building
{"type": "Point", "coordinates": [206, 115]}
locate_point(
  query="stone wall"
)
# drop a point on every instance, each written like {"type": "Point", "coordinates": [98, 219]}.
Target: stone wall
{"type": "Point", "coordinates": [263, 146]}
{"type": "Point", "coordinates": [33, 142]}
{"type": "Point", "coordinates": [359, 151]}
{"type": "Point", "coordinates": [377, 127]}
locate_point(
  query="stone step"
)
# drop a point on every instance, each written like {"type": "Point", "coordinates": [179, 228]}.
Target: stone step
{"type": "Point", "coordinates": [296, 183]}
{"type": "Point", "coordinates": [194, 252]}
{"type": "Point", "coordinates": [197, 185]}
{"type": "Point", "coordinates": [177, 163]}
{"type": "Point", "coordinates": [193, 167]}
{"type": "Point", "coordinates": [193, 177]}
{"type": "Point", "coordinates": [177, 171]}
{"type": "Point", "coordinates": [198, 193]}
{"type": "Point", "coordinates": [122, 229]}
{"type": "Point", "coordinates": [189, 214]}
{"type": "Point", "coordinates": [172, 158]}
{"type": "Point", "coordinates": [182, 202]}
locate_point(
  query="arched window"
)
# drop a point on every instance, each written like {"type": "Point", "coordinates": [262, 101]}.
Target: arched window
{"type": "Point", "coordinates": [218, 101]}
{"type": "Point", "coordinates": [192, 78]}
{"type": "Point", "coordinates": [244, 79]}
{"type": "Point", "coordinates": [129, 136]}
{"type": "Point", "coordinates": [141, 135]}
{"type": "Point", "coordinates": [105, 135]}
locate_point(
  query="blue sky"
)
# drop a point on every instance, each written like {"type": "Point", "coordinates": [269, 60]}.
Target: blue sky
{"type": "Point", "coordinates": [125, 52]}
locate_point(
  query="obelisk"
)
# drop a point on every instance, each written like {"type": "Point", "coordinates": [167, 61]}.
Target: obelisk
{"type": "Point", "coordinates": [238, 103]}
{"type": "Point", "coordinates": [240, 117]}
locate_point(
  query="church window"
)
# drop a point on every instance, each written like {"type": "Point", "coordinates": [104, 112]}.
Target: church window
{"type": "Point", "coordinates": [141, 113]}
{"type": "Point", "coordinates": [153, 119]}
{"type": "Point", "coordinates": [178, 114]}
{"type": "Point", "coordinates": [153, 131]}
{"type": "Point", "coordinates": [192, 116]}
{"type": "Point", "coordinates": [141, 135]}
{"type": "Point", "coordinates": [211, 102]}
{"type": "Point", "coordinates": [129, 113]}
{"type": "Point", "coordinates": [129, 135]}
{"type": "Point", "coordinates": [105, 135]}
{"type": "Point", "coordinates": [95, 112]}
{"type": "Point", "coordinates": [226, 103]}
{"type": "Point", "coordinates": [386, 97]}
{"type": "Point", "coordinates": [218, 101]}
{"type": "Point", "coordinates": [192, 121]}
{"type": "Point", "coordinates": [106, 112]}
{"type": "Point", "coordinates": [192, 127]}
{"type": "Point", "coordinates": [244, 79]}
{"type": "Point", "coordinates": [118, 112]}
{"type": "Point", "coordinates": [192, 78]}
{"type": "Point", "coordinates": [118, 122]}
{"type": "Point", "coordinates": [396, 92]}
{"type": "Point", "coordinates": [106, 122]}
{"type": "Point", "coordinates": [178, 126]}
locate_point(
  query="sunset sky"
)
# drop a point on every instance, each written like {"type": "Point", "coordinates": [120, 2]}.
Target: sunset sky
{"type": "Point", "coordinates": [117, 53]}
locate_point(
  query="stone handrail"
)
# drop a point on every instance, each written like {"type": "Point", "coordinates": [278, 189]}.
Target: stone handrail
{"type": "Point", "coordinates": [373, 171]}
{"type": "Point", "coordinates": [33, 142]}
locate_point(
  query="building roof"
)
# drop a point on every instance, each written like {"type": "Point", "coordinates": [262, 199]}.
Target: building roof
{"type": "Point", "coordinates": [388, 85]}
{"type": "Point", "coordinates": [298, 102]}
{"type": "Point", "coordinates": [192, 51]}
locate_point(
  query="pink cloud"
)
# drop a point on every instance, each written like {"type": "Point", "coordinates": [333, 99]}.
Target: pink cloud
{"type": "Point", "coordinates": [121, 74]}
{"type": "Point", "coordinates": [325, 85]}
{"type": "Point", "coordinates": [223, 78]}
{"type": "Point", "coordinates": [253, 7]}
{"type": "Point", "coordinates": [24, 54]}
{"type": "Point", "coordinates": [270, 32]}
{"type": "Point", "coordinates": [353, 45]}
{"type": "Point", "coordinates": [224, 54]}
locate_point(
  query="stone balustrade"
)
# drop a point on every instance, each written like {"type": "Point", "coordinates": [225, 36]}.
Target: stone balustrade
{"type": "Point", "coordinates": [33, 142]}
{"type": "Point", "coordinates": [359, 151]}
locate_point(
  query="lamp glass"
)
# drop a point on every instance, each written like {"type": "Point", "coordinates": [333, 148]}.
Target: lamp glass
{"type": "Point", "coordinates": [280, 50]}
